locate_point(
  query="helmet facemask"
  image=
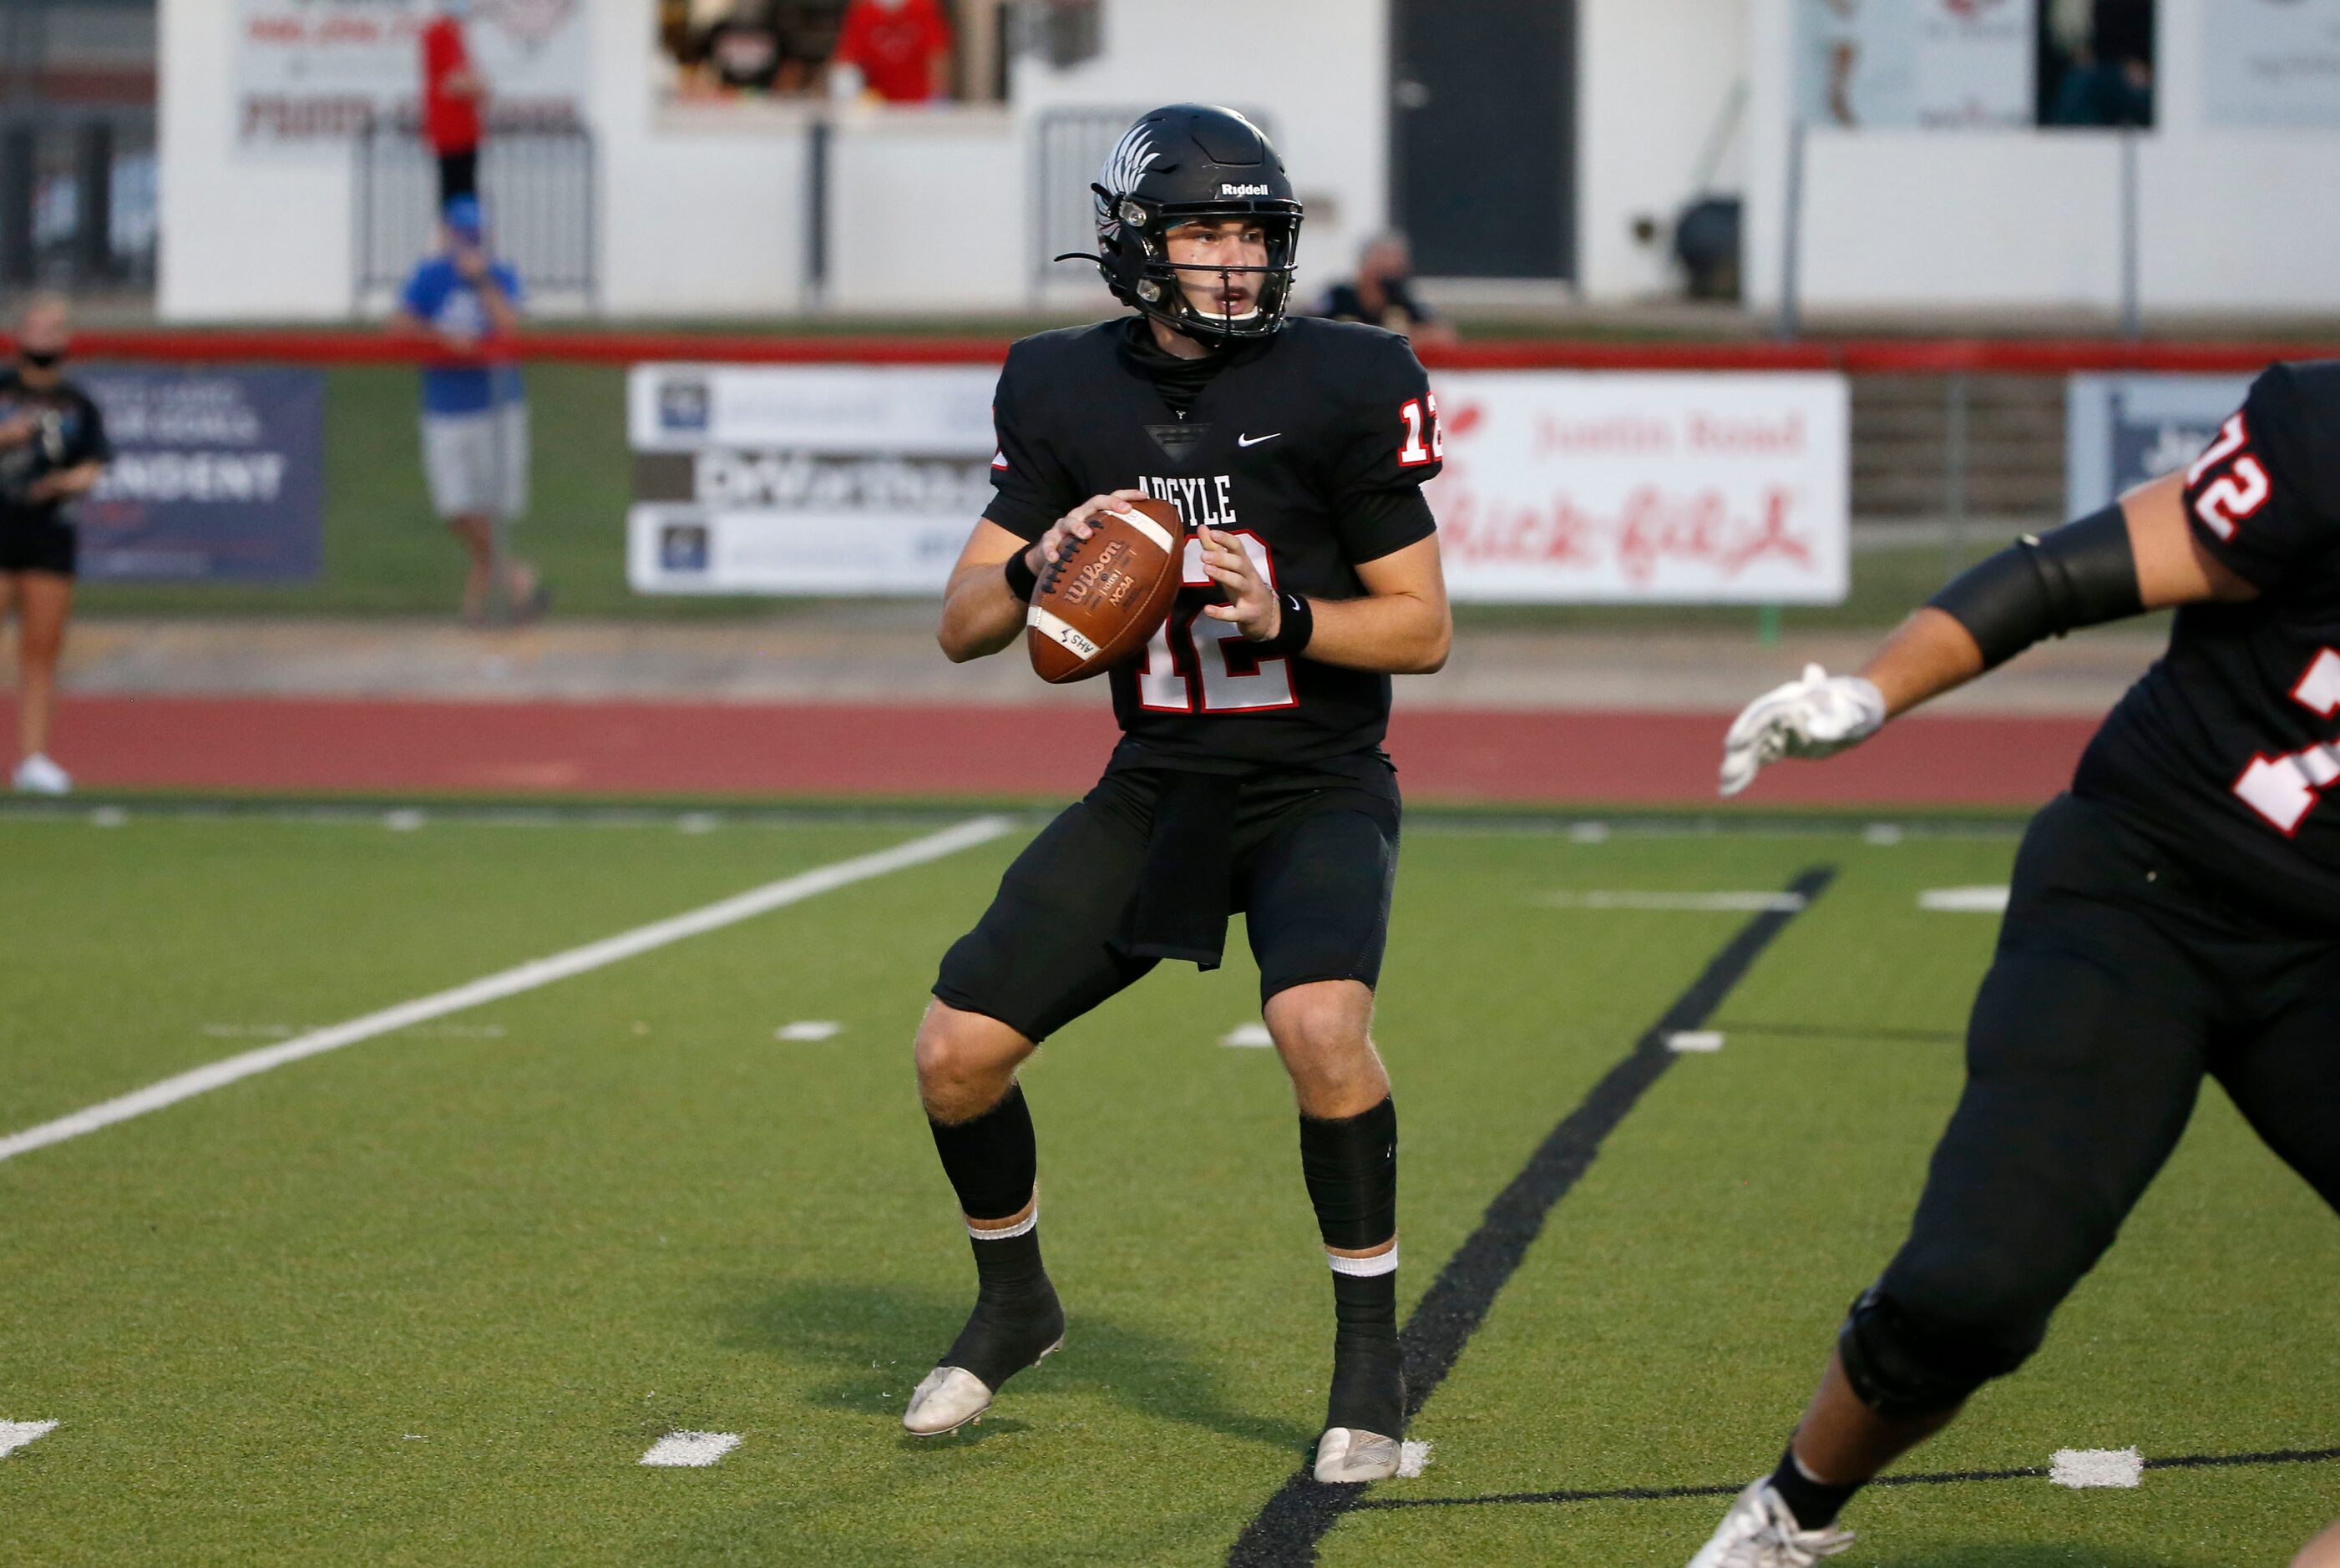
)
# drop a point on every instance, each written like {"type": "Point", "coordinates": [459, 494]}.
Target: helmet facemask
{"type": "Point", "coordinates": [1140, 231]}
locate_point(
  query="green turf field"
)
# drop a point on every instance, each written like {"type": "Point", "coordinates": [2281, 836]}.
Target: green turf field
{"type": "Point", "coordinates": [429, 1298]}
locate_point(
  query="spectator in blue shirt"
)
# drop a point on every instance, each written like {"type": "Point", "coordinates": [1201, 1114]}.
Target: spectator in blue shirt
{"type": "Point", "coordinates": [474, 415]}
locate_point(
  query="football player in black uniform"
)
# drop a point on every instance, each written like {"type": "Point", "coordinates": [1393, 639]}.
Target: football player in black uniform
{"type": "Point", "coordinates": [1250, 776]}
{"type": "Point", "coordinates": [2175, 915]}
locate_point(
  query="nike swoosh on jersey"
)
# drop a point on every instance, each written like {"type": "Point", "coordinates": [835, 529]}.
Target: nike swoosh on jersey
{"type": "Point", "coordinates": [1254, 440]}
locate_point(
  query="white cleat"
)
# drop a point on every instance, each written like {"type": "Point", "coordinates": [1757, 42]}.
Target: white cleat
{"type": "Point", "coordinates": [948, 1399]}
{"type": "Point", "coordinates": [36, 775]}
{"type": "Point", "coordinates": [1760, 1532]}
{"type": "Point", "coordinates": [1345, 1457]}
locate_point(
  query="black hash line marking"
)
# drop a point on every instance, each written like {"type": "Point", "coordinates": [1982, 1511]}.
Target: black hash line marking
{"type": "Point", "coordinates": [1935, 1478]}
{"type": "Point", "coordinates": [1287, 1528]}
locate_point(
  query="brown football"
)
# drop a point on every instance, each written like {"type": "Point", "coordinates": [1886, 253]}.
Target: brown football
{"type": "Point", "coordinates": [1105, 595]}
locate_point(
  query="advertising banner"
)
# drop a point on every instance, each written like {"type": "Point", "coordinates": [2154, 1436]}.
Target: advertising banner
{"type": "Point", "coordinates": [805, 479]}
{"type": "Point", "coordinates": [2123, 431]}
{"type": "Point", "coordinates": [217, 476]}
{"type": "Point", "coordinates": [1911, 64]}
{"type": "Point", "coordinates": [1566, 487]}
{"type": "Point", "coordinates": [2271, 62]}
{"type": "Point", "coordinates": [1558, 488]}
{"type": "Point", "coordinates": [308, 75]}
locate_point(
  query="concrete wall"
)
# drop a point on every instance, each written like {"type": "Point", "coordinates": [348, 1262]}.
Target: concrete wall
{"type": "Point", "coordinates": [1656, 76]}
{"type": "Point", "coordinates": [256, 236]}
{"type": "Point", "coordinates": [1319, 67]}
{"type": "Point", "coordinates": [2232, 221]}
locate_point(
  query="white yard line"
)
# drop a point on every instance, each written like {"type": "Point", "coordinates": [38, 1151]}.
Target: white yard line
{"type": "Point", "coordinates": [2079, 1468]}
{"type": "Point", "coordinates": [1756, 902]}
{"type": "Point", "coordinates": [691, 1449]}
{"type": "Point", "coordinates": [1964, 900]}
{"type": "Point", "coordinates": [1694, 1040]}
{"type": "Point", "coordinates": [15, 1434]}
{"type": "Point", "coordinates": [525, 977]}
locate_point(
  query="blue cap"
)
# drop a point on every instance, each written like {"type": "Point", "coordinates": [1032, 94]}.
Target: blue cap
{"type": "Point", "coordinates": [462, 215]}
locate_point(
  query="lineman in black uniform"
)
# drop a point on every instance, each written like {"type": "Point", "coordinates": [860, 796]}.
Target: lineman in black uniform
{"type": "Point", "coordinates": [2175, 915]}
{"type": "Point", "coordinates": [1250, 776]}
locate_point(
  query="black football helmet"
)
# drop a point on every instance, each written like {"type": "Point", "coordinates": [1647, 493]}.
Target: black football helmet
{"type": "Point", "coordinates": [1178, 164]}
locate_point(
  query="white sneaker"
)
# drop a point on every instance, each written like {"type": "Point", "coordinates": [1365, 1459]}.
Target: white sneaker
{"type": "Point", "coordinates": [947, 1399]}
{"type": "Point", "coordinates": [36, 775]}
{"type": "Point", "coordinates": [1760, 1532]}
{"type": "Point", "coordinates": [1343, 1455]}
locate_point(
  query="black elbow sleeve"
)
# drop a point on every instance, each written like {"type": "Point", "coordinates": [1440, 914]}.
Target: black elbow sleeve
{"type": "Point", "coordinates": [2043, 585]}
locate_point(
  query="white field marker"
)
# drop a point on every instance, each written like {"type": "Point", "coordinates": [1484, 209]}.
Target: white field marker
{"type": "Point", "coordinates": [1759, 901]}
{"type": "Point", "coordinates": [404, 820]}
{"type": "Point", "coordinates": [2078, 1467]}
{"type": "Point", "coordinates": [1248, 1037]}
{"type": "Point", "coordinates": [109, 816]}
{"type": "Point", "coordinates": [1882, 832]}
{"type": "Point", "coordinates": [15, 1434]}
{"type": "Point", "coordinates": [691, 1450]}
{"type": "Point", "coordinates": [808, 1029]}
{"type": "Point", "coordinates": [512, 981]}
{"type": "Point", "coordinates": [1589, 832]}
{"type": "Point", "coordinates": [1412, 1459]}
{"type": "Point", "coordinates": [1964, 900]}
{"type": "Point", "coordinates": [1699, 1040]}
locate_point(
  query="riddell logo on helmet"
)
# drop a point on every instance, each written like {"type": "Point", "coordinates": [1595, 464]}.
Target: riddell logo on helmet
{"type": "Point", "coordinates": [1243, 189]}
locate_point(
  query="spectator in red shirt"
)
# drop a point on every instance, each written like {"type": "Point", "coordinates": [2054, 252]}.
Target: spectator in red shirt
{"type": "Point", "coordinates": [453, 92]}
{"type": "Point", "coordinates": [901, 47]}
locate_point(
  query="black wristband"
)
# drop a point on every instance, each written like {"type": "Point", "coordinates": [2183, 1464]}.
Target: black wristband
{"type": "Point", "coordinates": [1291, 637]}
{"type": "Point", "coordinates": [1022, 580]}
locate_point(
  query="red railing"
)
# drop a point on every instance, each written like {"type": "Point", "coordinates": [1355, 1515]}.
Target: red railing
{"type": "Point", "coordinates": [1871, 356]}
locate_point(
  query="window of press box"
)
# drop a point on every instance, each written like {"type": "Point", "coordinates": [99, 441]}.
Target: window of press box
{"type": "Point", "coordinates": [2096, 63]}
{"type": "Point", "coordinates": [898, 53]}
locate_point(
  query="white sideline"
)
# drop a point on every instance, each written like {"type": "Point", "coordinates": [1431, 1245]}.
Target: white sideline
{"type": "Point", "coordinates": [528, 976]}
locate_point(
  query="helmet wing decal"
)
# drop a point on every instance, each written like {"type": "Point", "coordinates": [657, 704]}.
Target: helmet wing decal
{"type": "Point", "coordinates": [1133, 156]}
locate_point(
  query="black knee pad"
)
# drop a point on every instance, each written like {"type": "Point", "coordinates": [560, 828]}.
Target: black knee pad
{"type": "Point", "coordinates": [1901, 1364]}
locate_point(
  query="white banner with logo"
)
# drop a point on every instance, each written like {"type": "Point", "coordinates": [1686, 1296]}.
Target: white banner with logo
{"type": "Point", "coordinates": [1616, 488]}
{"type": "Point", "coordinates": [1559, 488]}
{"type": "Point", "coordinates": [2271, 62]}
{"type": "Point", "coordinates": [307, 77]}
{"type": "Point", "coordinates": [805, 479]}
{"type": "Point", "coordinates": [1905, 63]}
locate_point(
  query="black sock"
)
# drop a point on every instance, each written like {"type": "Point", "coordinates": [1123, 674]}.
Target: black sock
{"type": "Point", "coordinates": [1350, 1165]}
{"type": "Point", "coordinates": [1815, 1503]}
{"type": "Point", "coordinates": [992, 1159]}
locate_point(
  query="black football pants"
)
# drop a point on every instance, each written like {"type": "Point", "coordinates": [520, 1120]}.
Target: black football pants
{"type": "Point", "coordinates": [1314, 866]}
{"type": "Point", "coordinates": [2117, 987]}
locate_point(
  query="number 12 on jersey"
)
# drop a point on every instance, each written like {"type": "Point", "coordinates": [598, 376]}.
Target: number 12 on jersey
{"type": "Point", "coordinates": [1233, 680]}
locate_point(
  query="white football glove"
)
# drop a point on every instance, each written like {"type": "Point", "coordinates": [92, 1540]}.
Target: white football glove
{"type": "Point", "coordinates": [1817, 716]}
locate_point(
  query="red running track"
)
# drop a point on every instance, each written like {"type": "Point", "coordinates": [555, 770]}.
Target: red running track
{"type": "Point", "coordinates": [302, 745]}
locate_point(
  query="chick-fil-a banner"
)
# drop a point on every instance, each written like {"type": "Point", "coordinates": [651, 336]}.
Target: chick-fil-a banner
{"type": "Point", "coordinates": [1622, 486]}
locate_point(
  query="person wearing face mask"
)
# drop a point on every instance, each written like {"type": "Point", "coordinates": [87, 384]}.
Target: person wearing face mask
{"type": "Point", "coordinates": [453, 93]}
{"type": "Point", "coordinates": [53, 448]}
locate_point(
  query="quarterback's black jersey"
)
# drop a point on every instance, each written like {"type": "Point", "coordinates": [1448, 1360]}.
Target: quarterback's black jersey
{"type": "Point", "coordinates": [1311, 445]}
{"type": "Point", "coordinates": [2222, 751]}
